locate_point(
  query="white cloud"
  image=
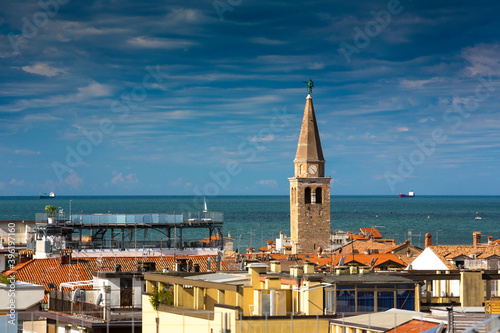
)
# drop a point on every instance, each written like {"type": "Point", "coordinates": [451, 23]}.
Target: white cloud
{"type": "Point", "coordinates": [403, 129]}
{"type": "Point", "coordinates": [159, 43]}
{"type": "Point", "coordinates": [126, 181]}
{"type": "Point", "coordinates": [266, 41]}
{"type": "Point", "coordinates": [484, 59]}
{"type": "Point", "coordinates": [94, 90]}
{"type": "Point", "coordinates": [73, 180]}
{"type": "Point", "coordinates": [41, 117]}
{"type": "Point", "coordinates": [42, 69]}
{"type": "Point", "coordinates": [265, 138]}
{"type": "Point", "coordinates": [118, 178]}
{"type": "Point", "coordinates": [268, 182]}
{"type": "Point", "coordinates": [184, 16]}
{"type": "Point", "coordinates": [418, 83]}
{"type": "Point", "coordinates": [16, 182]}
{"type": "Point", "coordinates": [26, 152]}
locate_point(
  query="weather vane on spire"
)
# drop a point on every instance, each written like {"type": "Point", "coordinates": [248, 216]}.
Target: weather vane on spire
{"type": "Point", "coordinates": [310, 85]}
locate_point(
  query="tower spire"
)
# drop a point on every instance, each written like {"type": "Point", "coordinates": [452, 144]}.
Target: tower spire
{"type": "Point", "coordinates": [309, 190]}
{"type": "Point", "coordinates": [309, 147]}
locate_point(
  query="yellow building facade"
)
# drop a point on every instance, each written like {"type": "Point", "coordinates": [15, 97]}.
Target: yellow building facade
{"type": "Point", "coordinates": [236, 302]}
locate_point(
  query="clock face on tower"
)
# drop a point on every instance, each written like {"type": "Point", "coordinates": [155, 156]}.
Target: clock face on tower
{"type": "Point", "coordinates": [312, 169]}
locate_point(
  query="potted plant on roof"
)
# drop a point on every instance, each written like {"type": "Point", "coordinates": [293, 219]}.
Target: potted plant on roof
{"type": "Point", "coordinates": [51, 212]}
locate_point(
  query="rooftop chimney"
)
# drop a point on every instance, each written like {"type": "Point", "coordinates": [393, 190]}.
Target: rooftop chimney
{"type": "Point", "coordinates": [296, 271]}
{"type": "Point", "coordinates": [309, 268]}
{"type": "Point", "coordinates": [66, 256]}
{"type": "Point", "coordinates": [254, 270]}
{"type": "Point", "coordinates": [476, 238]}
{"type": "Point", "coordinates": [275, 267]}
{"type": "Point", "coordinates": [490, 240]}
{"type": "Point", "coordinates": [428, 240]}
{"type": "Point", "coordinates": [25, 256]}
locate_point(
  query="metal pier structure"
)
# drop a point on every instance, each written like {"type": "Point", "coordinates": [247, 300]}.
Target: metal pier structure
{"type": "Point", "coordinates": [176, 230]}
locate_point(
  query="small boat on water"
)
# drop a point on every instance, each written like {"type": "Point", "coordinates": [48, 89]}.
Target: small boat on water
{"type": "Point", "coordinates": [478, 218]}
{"type": "Point", "coordinates": [47, 196]}
{"type": "Point", "coordinates": [410, 194]}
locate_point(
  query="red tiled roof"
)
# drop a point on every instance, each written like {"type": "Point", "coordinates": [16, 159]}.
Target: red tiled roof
{"type": "Point", "coordinates": [214, 238]}
{"type": "Point", "coordinates": [356, 236]}
{"type": "Point", "coordinates": [364, 245]}
{"type": "Point", "coordinates": [50, 270]}
{"type": "Point", "coordinates": [371, 231]}
{"type": "Point", "coordinates": [208, 239]}
{"type": "Point", "coordinates": [414, 326]}
{"type": "Point", "coordinates": [445, 252]}
{"type": "Point", "coordinates": [362, 259]}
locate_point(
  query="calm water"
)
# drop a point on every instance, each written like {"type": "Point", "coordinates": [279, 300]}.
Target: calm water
{"type": "Point", "coordinates": [254, 219]}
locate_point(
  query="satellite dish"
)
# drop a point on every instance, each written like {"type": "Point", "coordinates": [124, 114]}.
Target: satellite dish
{"type": "Point", "coordinates": [242, 267]}
{"type": "Point", "coordinates": [342, 261]}
{"type": "Point", "coordinates": [75, 295]}
{"type": "Point", "coordinates": [81, 295]}
{"type": "Point", "coordinates": [99, 299]}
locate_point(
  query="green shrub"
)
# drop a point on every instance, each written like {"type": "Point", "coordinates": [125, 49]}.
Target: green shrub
{"type": "Point", "coordinates": [164, 296]}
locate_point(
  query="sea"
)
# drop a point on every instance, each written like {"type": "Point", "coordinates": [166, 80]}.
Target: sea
{"type": "Point", "coordinates": [252, 220]}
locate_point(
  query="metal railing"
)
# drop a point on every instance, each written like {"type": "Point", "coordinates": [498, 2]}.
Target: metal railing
{"type": "Point", "coordinates": [489, 325]}
{"type": "Point", "coordinates": [61, 302]}
{"type": "Point", "coordinates": [133, 219]}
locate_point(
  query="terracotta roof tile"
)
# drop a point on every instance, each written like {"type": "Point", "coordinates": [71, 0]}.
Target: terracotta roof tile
{"type": "Point", "coordinates": [364, 245]}
{"type": "Point", "coordinates": [414, 326]}
{"type": "Point", "coordinates": [455, 251]}
{"type": "Point", "coordinates": [50, 270]}
{"type": "Point", "coordinates": [357, 236]}
{"type": "Point", "coordinates": [361, 259]}
{"type": "Point", "coordinates": [371, 231]}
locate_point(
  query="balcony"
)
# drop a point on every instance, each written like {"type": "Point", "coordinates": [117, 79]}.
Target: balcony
{"type": "Point", "coordinates": [87, 307]}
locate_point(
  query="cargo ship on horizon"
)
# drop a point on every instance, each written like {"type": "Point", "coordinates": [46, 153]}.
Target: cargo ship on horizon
{"type": "Point", "coordinates": [410, 194]}
{"type": "Point", "coordinates": [45, 195]}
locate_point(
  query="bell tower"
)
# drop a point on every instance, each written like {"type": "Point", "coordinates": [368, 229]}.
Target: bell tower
{"type": "Point", "coordinates": [309, 189]}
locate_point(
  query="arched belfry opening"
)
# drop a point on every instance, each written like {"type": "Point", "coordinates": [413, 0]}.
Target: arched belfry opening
{"type": "Point", "coordinates": [307, 195]}
{"type": "Point", "coordinates": [319, 195]}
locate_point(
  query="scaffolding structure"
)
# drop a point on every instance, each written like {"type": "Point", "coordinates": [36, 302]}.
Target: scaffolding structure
{"type": "Point", "coordinates": [128, 231]}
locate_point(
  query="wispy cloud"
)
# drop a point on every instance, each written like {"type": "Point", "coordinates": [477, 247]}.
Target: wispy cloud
{"type": "Point", "coordinates": [267, 41]}
{"type": "Point", "coordinates": [41, 117]}
{"type": "Point", "coordinates": [42, 69]}
{"type": "Point", "coordinates": [125, 181]}
{"type": "Point", "coordinates": [483, 59]}
{"type": "Point", "coordinates": [268, 182]}
{"type": "Point", "coordinates": [159, 43]}
{"type": "Point", "coordinates": [94, 89]}
{"type": "Point", "coordinates": [26, 152]}
{"type": "Point", "coordinates": [418, 83]}
{"type": "Point", "coordinates": [16, 182]}
{"type": "Point", "coordinates": [73, 180]}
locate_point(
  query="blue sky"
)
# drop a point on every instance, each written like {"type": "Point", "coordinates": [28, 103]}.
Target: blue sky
{"type": "Point", "coordinates": [206, 97]}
